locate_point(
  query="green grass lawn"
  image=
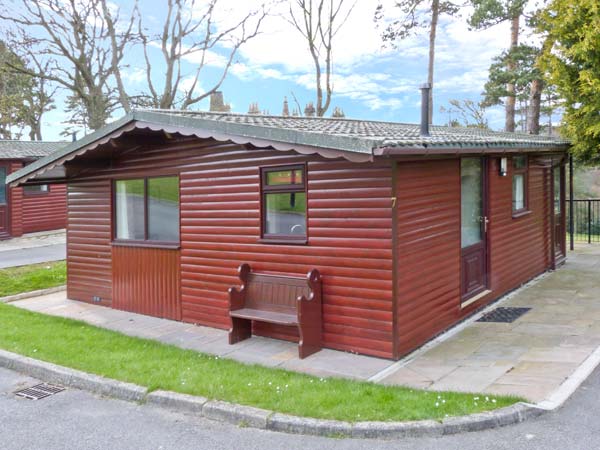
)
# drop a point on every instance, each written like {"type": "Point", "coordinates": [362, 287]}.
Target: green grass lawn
{"type": "Point", "coordinates": [158, 366]}
{"type": "Point", "coordinates": [15, 280]}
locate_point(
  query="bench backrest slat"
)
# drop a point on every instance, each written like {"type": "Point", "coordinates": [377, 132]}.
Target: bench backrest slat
{"type": "Point", "coordinates": [275, 293]}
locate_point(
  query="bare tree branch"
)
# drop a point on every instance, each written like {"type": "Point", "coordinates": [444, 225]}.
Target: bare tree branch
{"type": "Point", "coordinates": [318, 22]}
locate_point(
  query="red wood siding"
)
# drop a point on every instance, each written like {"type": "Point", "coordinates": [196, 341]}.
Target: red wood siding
{"type": "Point", "coordinates": [16, 205]}
{"type": "Point", "coordinates": [349, 228]}
{"type": "Point", "coordinates": [89, 267]}
{"type": "Point", "coordinates": [428, 224]}
{"type": "Point", "coordinates": [428, 219]}
{"type": "Point", "coordinates": [43, 212]}
{"type": "Point", "coordinates": [520, 247]}
{"type": "Point", "coordinates": [146, 281]}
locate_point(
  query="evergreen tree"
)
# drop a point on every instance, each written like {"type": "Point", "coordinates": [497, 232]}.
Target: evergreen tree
{"type": "Point", "coordinates": [571, 60]}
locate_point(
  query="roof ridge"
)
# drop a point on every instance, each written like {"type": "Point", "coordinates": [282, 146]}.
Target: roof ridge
{"type": "Point", "coordinates": [34, 142]}
{"type": "Point", "coordinates": [274, 116]}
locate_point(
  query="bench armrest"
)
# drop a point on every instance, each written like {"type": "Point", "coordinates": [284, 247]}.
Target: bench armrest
{"type": "Point", "coordinates": [313, 279]}
{"type": "Point", "coordinates": [237, 297]}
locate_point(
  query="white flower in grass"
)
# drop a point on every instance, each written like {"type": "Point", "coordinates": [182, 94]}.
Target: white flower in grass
{"type": "Point", "coordinates": [443, 401]}
{"type": "Point", "coordinates": [437, 404]}
{"type": "Point", "coordinates": [487, 399]}
{"type": "Point", "coordinates": [493, 400]}
{"type": "Point", "coordinates": [249, 384]}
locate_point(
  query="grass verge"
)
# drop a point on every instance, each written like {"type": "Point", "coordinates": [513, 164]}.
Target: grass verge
{"type": "Point", "coordinates": [15, 280]}
{"type": "Point", "coordinates": [155, 365]}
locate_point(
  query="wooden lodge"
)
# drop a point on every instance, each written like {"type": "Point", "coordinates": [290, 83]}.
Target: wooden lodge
{"type": "Point", "coordinates": [408, 231]}
{"type": "Point", "coordinates": [33, 208]}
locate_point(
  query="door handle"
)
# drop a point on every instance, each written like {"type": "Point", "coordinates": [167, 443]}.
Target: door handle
{"type": "Point", "coordinates": [485, 221]}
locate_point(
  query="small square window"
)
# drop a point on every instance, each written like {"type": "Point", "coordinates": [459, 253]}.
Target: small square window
{"type": "Point", "coordinates": [284, 203]}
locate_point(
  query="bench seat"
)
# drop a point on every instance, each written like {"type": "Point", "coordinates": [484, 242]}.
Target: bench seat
{"type": "Point", "coordinates": [265, 316]}
{"type": "Point", "coordinates": [277, 299]}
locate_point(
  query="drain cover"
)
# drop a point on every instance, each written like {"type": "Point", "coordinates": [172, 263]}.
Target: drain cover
{"type": "Point", "coordinates": [39, 391]}
{"type": "Point", "coordinates": [503, 315]}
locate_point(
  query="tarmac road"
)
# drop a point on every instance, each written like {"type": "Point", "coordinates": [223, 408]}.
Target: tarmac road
{"type": "Point", "coordinates": [34, 255]}
{"type": "Point", "coordinates": [78, 420]}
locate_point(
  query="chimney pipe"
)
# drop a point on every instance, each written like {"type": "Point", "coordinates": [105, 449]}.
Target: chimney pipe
{"type": "Point", "coordinates": [425, 88]}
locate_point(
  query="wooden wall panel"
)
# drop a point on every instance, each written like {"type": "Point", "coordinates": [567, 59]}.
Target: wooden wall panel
{"type": "Point", "coordinates": [520, 247]}
{"type": "Point", "coordinates": [43, 212]}
{"type": "Point", "coordinates": [350, 219]}
{"type": "Point", "coordinates": [146, 281]}
{"type": "Point", "coordinates": [89, 267]}
{"type": "Point", "coordinates": [16, 205]}
{"type": "Point", "coordinates": [429, 244]}
{"type": "Point", "coordinates": [428, 224]}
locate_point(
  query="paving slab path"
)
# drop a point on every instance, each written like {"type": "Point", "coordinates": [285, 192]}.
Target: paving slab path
{"type": "Point", "coordinates": [530, 357]}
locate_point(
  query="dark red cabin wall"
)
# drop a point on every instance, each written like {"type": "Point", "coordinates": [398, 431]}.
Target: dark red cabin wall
{"type": "Point", "coordinates": [349, 226]}
{"type": "Point", "coordinates": [428, 223]}
{"type": "Point", "coordinates": [48, 211]}
{"type": "Point", "coordinates": [16, 205]}
{"type": "Point", "coordinates": [520, 246]}
{"type": "Point", "coordinates": [89, 264]}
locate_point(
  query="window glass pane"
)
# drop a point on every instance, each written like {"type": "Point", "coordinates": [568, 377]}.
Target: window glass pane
{"type": "Point", "coordinates": [520, 162]}
{"type": "Point", "coordinates": [557, 205]}
{"type": "Point", "coordinates": [2, 185]}
{"type": "Point", "coordinates": [518, 192]}
{"type": "Point", "coordinates": [163, 209]}
{"type": "Point", "coordinates": [281, 177]}
{"type": "Point", "coordinates": [129, 209]}
{"type": "Point", "coordinates": [286, 214]}
{"type": "Point", "coordinates": [471, 201]}
{"type": "Point", "coordinates": [36, 189]}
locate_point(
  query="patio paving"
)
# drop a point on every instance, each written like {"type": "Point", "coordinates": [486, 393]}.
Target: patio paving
{"type": "Point", "coordinates": [530, 357]}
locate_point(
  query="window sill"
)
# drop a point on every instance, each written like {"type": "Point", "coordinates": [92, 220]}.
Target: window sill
{"type": "Point", "coordinates": [518, 214]}
{"type": "Point", "coordinates": [147, 244]}
{"type": "Point", "coordinates": [283, 241]}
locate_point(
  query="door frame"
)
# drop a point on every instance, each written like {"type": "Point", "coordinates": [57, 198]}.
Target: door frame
{"type": "Point", "coordinates": [556, 258]}
{"type": "Point", "coordinates": [467, 299]}
{"type": "Point", "coordinates": [7, 204]}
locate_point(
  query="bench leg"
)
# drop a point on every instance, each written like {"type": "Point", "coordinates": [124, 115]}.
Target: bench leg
{"type": "Point", "coordinates": [240, 330]}
{"type": "Point", "coordinates": [310, 341]}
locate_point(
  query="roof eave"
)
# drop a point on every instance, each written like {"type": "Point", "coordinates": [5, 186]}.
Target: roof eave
{"type": "Point", "coordinates": [458, 149]}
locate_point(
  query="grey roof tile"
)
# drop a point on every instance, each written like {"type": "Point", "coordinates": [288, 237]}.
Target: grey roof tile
{"type": "Point", "coordinates": [382, 134]}
{"type": "Point", "coordinates": [27, 149]}
{"type": "Point", "coordinates": [351, 136]}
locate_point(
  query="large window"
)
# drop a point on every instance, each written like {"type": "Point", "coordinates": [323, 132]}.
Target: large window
{"type": "Point", "coordinates": [36, 189]}
{"type": "Point", "coordinates": [519, 184]}
{"type": "Point", "coordinates": [147, 209]}
{"type": "Point", "coordinates": [284, 203]}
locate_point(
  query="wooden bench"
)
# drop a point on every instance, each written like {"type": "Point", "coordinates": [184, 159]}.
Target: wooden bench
{"type": "Point", "coordinates": [277, 299]}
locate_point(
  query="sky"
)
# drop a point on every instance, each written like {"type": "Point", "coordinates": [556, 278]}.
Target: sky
{"type": "Point", "coordinates": [370, 81]}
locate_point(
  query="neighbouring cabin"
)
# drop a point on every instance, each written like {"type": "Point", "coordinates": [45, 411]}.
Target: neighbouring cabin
{"type": "Point", "coordinates": [409, 234]}
{"type": "Point", "coordinates": [29, 209]}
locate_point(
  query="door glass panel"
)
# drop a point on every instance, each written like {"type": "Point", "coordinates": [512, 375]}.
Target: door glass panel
{"type": "Point", "coordinates": [2, 185]}
{"type": "Point", "coordinates": [471, 201]}
{"type": "Point", "coordinates": [557, 205]}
